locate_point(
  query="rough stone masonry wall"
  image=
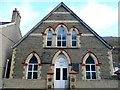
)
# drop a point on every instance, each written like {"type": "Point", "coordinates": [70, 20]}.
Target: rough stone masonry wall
{"type": "Point", "coordinates": [35, 43]}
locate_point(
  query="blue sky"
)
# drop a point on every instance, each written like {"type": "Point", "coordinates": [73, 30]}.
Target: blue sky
{"type": "Point", "coordinates": [100, 15]}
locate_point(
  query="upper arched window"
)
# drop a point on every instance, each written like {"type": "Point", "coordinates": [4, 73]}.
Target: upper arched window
{"type": "Point", "coordinates": [74, 38]}
{"type": "Point", "coordinates": [90, 68]}
{"type": "Point", "coordinates": [49, 38]}
{"type": "Point", "coordinates": [32, 68]}
{"type": "Point", "coordinates": [61, 37]}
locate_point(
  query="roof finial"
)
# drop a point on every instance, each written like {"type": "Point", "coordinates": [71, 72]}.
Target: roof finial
{"type": "Point", "coordinates": [62, 3]}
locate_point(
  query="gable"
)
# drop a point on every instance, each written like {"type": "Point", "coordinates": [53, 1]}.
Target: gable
{"type": "Point", "coordinates": [62, 14]}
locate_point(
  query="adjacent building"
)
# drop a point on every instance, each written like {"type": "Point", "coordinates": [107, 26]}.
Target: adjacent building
{"type": "Point", "coordinates": [9, 35]}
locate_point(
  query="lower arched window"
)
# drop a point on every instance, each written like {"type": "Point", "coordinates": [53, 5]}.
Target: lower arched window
{"type": "Point", "coordinates": [32, 68]}
{"type": "Point", "coordinates": [90, 68]}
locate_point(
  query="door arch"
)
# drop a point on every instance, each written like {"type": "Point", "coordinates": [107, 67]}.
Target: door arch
{"type": "Point", "coordinates": [61, 75]}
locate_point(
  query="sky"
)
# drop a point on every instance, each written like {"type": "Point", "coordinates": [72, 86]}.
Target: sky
{"type": "Point", "coordinates": [100, 15]}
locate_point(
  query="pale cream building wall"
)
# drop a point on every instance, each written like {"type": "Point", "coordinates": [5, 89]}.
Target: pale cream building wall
{"type": "Point", "coordinates": [9, 34]}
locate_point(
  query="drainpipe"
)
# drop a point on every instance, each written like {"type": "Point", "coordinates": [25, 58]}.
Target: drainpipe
{"type": "Point", "coordinates": [6, 68]}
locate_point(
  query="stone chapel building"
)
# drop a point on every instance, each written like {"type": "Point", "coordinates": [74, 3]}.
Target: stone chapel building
{"type": "Point", "coordinates": [61, 51]}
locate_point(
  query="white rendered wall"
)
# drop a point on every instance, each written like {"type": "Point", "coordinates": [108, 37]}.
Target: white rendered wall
{"type": "Point", "coordinates": [9, 34]}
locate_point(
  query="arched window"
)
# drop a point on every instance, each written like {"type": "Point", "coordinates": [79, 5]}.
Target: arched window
{"type": "Point", "coordinates": [61, 37]}
{"type": "Point", "coordinates": [32, 68]}
{"type": "Point", "coordinates": [74, 38]}
{"type": "Point", "coordinates": [90, 68]}
{"type": "Point", "coordinates": [49, 38]}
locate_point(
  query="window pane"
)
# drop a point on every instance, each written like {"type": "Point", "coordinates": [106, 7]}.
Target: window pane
{"type": "Point", "coordinates": [57, 73]}
{"type": "Point", "coordinates": [73, 43]}
{"type": "Point", "coordinates": [64, 37]}
{"type": "Point", "coordinates": [30, 67]}
{"type": "Point", "coordinates": [64, 73]}
{"type": "Point", "coordinates": [61, 30]}
{"type": "Point", "coordinates": [34, 75]}
{"type": "Point", "coordinates": [33, 60]}
{"type": "Point", "coordinates": [58, 43]}
{"type": "Point", "coordinates": [49, 37]}
{"type": "Point", "coordinates": [49, 43]}
{"type": "Point", "coordinates": [49, 32]}
{"type": "Point", "coordinates": [87, 67]}
{"type": "Point", "coordinates": [59, 37]}
{"type": "Point", "coordinates": [93, 75]}
{"type": "Point", "coordinates": [74, 32]}
{"type": "Point", "coordinates": [35, 67]}
{"type": "Point", "coordinates": [63, 43]}
{"type": "Point", "coordinates": [90, 60]}
{"type": "Point", "coordinates": [74, 37]}
{"type": "Point", "coordinates": [87, 75]}
{"type": "Point", "coordinates": [29, 75]}
{"type": "Point", "coordinates": [93, 67]}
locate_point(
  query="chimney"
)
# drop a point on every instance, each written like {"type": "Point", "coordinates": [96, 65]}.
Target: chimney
{"type": "Point", "coordinates": [16, 17]}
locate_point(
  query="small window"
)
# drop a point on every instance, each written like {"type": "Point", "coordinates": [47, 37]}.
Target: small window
{"type": "Point", "coordinates": [90, 69]}
{"type": "Point", "coordinates": [32, 68]}
{"type": "Point", "coordinates": [49, 38]}
{"type": "Point", "coordinates": [74, 38]}
{"type": "Point", "coordinates": [61, 37]}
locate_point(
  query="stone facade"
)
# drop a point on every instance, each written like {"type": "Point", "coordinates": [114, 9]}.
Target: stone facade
{"type": "Point", "coordinates": [89, 43]}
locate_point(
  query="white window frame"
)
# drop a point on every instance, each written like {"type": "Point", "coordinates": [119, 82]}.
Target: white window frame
{"type": "Point", "coordinates": [61, 40]}
{"type": "Point", "coordinates": [47, 38]}
{"type": "Point", "coordinates": [91, 71]}
{"type": "Point", "coordinates": [32, 71]}
{"type": "Point", "coordinates": [72, 39]}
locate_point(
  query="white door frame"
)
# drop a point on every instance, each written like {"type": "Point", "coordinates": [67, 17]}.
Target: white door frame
{"type": "Point", "coordinates": [61, 63]}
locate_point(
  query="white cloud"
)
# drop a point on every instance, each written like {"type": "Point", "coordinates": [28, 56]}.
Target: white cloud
{"type": "Point", "coordinates": [27, 14]}
{"type": "Point", "coordinates": [97, 16]}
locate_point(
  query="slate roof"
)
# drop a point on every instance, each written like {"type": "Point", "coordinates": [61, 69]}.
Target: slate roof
{"type": "Point", "coordinates": [3, 23]}
{"type": "Point", "coordinates": [72, 13]}
{"type": "Point", "coordinates": [6, 24]}
{"type": "Point", "coordinates": [114, 41]}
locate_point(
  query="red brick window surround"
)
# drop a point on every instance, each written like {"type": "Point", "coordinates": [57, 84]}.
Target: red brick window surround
{"type": "Point", "coordinates": [61, 37]}
{"type": "Point", "coordinates": [91, 67]}
{"type": "Point", "coordinates": [32, 68]}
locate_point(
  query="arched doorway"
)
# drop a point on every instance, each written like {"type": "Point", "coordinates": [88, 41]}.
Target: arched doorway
{"type": "Point", "coordinates": [61, 75]}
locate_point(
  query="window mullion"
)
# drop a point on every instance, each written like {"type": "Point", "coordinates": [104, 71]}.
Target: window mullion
{"type": "Point", "coordinates": [61, 40]}
{"type": "Point", "coordinates": [90, 72]}
{"type": "Point", "coordinates": [32, 70]}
